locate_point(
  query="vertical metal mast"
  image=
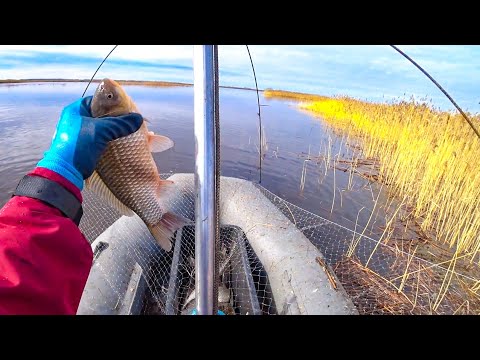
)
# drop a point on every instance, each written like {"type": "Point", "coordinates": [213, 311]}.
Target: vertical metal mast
{"type": "Point", "coordinates": [204, 69]}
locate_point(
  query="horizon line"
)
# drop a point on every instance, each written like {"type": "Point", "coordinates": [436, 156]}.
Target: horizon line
{"type": "Point", "coordinates": [158, 83]}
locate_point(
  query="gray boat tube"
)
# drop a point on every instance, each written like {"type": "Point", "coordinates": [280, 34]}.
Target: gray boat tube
{"type": "Point", "coordinates": [300, 285]}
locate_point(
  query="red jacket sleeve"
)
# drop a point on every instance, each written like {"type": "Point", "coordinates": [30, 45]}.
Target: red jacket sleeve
{"type": "Point", "coordinates": [44, 258]}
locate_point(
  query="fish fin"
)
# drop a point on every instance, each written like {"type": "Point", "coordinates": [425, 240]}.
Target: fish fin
{"type": "Point", "coordinates": [164, 229]}
{"type": "Point", "coordinates": [163, 187]}
{"type": "Point", "coordinates": [96, 185]}
{"type": "Point", "coordinates": [158, 143]}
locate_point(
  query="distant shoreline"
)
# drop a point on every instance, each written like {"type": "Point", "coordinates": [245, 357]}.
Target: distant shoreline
{"type": "Point", "coordinates": [122, 82]}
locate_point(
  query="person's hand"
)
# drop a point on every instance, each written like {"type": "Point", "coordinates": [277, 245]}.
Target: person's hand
{"type": "Point", "coordinates": [80, 140]}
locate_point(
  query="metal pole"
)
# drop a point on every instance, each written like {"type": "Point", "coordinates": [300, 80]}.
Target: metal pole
{"type": "Point", "coordinates": [205, 214]}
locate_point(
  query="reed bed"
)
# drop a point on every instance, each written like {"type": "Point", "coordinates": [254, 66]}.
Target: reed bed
{"type": "Point", "coordinates": [426, 156]}
{"type": "Point", "coordinates": [271, 93]}
{"type": "Point", "coordinates": [414, 291]}
{"type": "Point", "coordinates": [427, 160]}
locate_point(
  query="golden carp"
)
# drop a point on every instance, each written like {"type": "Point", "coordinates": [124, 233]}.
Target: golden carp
{"type": "Point", "coordinates": [126, 176]}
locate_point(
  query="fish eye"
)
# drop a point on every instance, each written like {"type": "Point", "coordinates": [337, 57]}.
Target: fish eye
{"type": "Point", "coordinates": [109, 96]}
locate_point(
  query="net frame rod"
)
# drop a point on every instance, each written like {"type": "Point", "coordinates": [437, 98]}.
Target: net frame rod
{"type": "Point", "coordinates": [205, 168]}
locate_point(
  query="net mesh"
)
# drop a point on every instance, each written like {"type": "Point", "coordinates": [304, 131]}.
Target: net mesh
{"type": "Point", "coordinates": [170, 276]}
{"type": "Point", "coordinates": [380, 278]}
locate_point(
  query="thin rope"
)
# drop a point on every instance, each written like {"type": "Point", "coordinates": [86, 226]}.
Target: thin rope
{"type": "Point", "coordinates": [259, 114]}
{"type": "Point", "coordinates": [217, 179]}
{"type": "Point", "coordinates": [95, 73]}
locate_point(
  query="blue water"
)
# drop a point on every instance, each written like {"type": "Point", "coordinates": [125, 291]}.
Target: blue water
{"type": "Point", "coordinates": [29, 113]}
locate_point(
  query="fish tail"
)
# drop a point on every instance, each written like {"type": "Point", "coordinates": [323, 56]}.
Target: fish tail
{"type": "Point", "coordinates": [164, 229]}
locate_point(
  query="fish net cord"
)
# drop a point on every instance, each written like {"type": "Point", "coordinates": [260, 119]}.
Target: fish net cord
{"type": "Point", "coordinates": [217, 179]}
{"type": "Point", "coordinates": [98, 68]}
{"type": "Point", "coordinates": [260, 130]}
{"type": "Point", "coordinates": [440, 87]}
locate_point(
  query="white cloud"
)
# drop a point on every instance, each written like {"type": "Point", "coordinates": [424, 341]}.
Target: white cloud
{"type": "Point", "coordinates": [124, 52]}
{"type": "Point", "coordinates": [358, 70]}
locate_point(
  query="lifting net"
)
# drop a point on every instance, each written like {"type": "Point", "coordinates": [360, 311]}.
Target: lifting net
{"type": "Point", "coordinates": [167, 279]}
{"type": "Point", "coordinates": [378, 278]}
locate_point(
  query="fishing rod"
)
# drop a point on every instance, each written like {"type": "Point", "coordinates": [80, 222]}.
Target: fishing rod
{"type": "Point", "coordinates": [440, 87]}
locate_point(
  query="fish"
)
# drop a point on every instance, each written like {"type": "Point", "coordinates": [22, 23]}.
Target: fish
{"type": "Point", "coordinates": [126, 176]}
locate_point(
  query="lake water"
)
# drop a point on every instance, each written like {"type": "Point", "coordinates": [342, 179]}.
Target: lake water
{"type": "Point", "coordinates": [29, 113]}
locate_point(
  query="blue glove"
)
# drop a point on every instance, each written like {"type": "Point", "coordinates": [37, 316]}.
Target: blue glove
{"type": "Point", "coordinates": [80, 140]}
{"type": "Point", "coordinates": [219, 312]}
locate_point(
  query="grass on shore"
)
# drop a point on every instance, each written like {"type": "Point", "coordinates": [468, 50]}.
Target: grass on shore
{"type": "Point", "coordinates": [271, 93]}
{"type": "Point", "coordinates": [428, 157]}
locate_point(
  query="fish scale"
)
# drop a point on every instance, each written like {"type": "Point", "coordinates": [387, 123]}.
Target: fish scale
{"type": "Point", "coordinates": [126, 176]}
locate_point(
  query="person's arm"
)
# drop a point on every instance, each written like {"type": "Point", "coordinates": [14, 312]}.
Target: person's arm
{"type": "Point", "coordinates": [44, 258]}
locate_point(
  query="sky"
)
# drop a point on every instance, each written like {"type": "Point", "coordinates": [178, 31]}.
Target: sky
{"type": "Point", "coordinates": [367, 72]}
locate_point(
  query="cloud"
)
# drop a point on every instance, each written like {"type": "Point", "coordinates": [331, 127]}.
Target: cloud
{"type": "Point", "coordinates": [364, 71]}
{"type": "Point", "coordinates": [128, 52]}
